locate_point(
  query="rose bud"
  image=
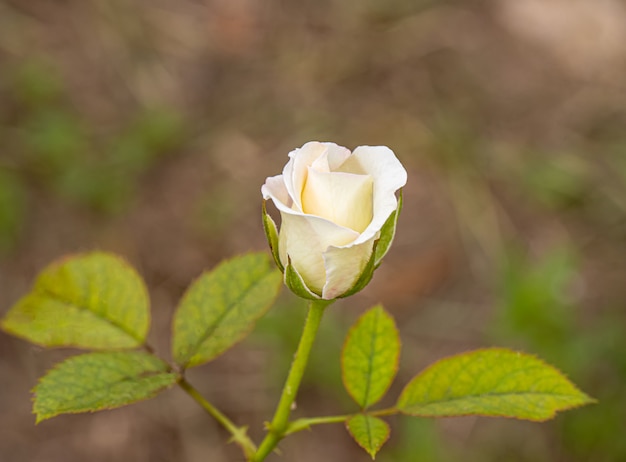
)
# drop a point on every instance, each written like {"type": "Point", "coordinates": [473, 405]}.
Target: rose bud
{"type": "Point", "coordinates": [338, 216]}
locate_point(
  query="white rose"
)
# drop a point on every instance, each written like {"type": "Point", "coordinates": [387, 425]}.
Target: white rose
{"type": "Point", "coordinates": [333, 205]}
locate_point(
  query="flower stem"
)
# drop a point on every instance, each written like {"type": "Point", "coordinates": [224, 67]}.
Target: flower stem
{"type": "Point", "coordinates": [239, 435]}
{"type": "Point", "coordinates": [280, 423]}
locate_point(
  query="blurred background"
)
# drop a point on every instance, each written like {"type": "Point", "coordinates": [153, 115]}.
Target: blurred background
{"type": "Point", "coordinates": [146, 128]}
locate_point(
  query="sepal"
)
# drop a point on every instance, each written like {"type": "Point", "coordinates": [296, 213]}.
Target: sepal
{"type": "Point", "coordinates": [387, 233]}
{"type": "Point", "coordinates": [296, 284]}
{"type": "Point", "coordinates": [271, 232]}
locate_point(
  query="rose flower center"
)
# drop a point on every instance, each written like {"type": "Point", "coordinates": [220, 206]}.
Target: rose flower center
{"type": "Point", "coordinates": [343, 198]}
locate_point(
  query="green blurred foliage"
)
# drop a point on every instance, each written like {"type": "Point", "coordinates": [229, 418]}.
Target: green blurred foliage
{"type": "Point", "coordinates": [35, 82]}
{"type": "Point", "coordinates": [54, 144]}
{"type": "Point", "coordinates": [557, 181]}
{"type": "Point", "coordinates": [414, 439]}
{"type": "Point", "coordinates": [535, 301]}
{"type": "Point", "coordinates": [148, 136]}
{"type": "Point", "coordinates": [12, 209]}
{"type": "Point", "coordinates": [215, 210]}
{"type": "Point", "coordinates": [53, 139]}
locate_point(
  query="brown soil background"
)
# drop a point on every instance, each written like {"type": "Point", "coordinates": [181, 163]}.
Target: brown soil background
{"type": "Point", "coordinates": [470, 95]}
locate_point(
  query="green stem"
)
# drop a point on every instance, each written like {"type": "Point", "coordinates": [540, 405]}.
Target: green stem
{"type": "Point", "coordinates": [239, 435]}
{"type": "Point", "coordinates": [304, 423]}
{"type": "Point", "coordinates": [280, 423]}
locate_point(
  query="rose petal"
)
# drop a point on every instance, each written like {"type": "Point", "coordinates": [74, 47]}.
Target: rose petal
{"type": "Point", "coordinates": [295, 172]}
{"type": "Point", "coordinates": [304, 239]}
{"type": "Point", "coordinates": [337, 155]}
{"type": "Point", "coordinates": [274, 188]}
{"type": "Point", "coordinates": [388, 174]}
{"type": "Point", "coordinates": [344, 266]}
{"type": "Point", "coordinates": [343, 198]}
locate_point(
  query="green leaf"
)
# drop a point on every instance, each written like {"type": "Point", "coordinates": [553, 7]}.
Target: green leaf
{"type": "Point", "coordinates": [97, 381]}
{"type": "Point", "coordinates": [387, 233]}
{"type": "Point", "coordinates": [94, 300]}
{"type": "Point", "coordinates": [271, 232]}
{"type": "Point", "coordinates": [491, 382]}
{"type": "Point", "coordinates": [369, 360]}
{"type": "Point", "coordinates": [296, 284]}
{"type": "Point", "coordinates": [222, 306]}
{"type": "Point", "coordinates": [369, 432]}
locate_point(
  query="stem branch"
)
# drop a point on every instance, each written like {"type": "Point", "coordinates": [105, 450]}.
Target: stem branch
{"type": "Point", "coordinates": [306, 422]}
{"type": "Point", "coordinates": [239, 435]}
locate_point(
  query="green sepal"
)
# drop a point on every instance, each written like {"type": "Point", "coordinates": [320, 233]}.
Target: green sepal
{"type": "Point", "coordinates": [296, 284]}
{"type": "Point", "coordinates": [271, 232]}
{"type": "Point", "coordinates": [366, 276]}
{"type": "Point", "coordinates": [387, 233]}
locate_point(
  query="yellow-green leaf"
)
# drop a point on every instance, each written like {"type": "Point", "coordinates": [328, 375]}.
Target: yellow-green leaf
{"type": "Point", "coordinates": [369, 432]}
{"type": "Point", "coordinates": [222, 306]}
{"type": "Point", "coordinates": [101, 380]}
{"type": "Point", "coordinates": [491, 382]}
{"type": "Point", "coordinates": [94, 300]}
{"type": "Point", "coordinates": [369, 360]}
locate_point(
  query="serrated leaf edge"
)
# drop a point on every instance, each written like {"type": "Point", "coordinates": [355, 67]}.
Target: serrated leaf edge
{"type": "Point", "coordinates": [188, 363]}
{"type": "Point", "coordinates": [586, 399]}
{"type": "Point", "coordinates": [33, 391]}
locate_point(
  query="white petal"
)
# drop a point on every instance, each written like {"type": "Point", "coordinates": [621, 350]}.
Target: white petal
{"type": "Point", "coordinates": [295, 172]}
{"type": "Point", "coordinates": [304, 238]}
{"type": "Point", "coordinates": [337, 155]}
{"type": "Point", "coordinates": [343, 198]}
{"type": "Point", "coordinates": [389, 175]}
{"type": "Point", "coordinates": [344, 265]}
{"type": "Point", "coordinates": [275, 189]}
{"type": "Point", "coordinates": [320, 164]}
